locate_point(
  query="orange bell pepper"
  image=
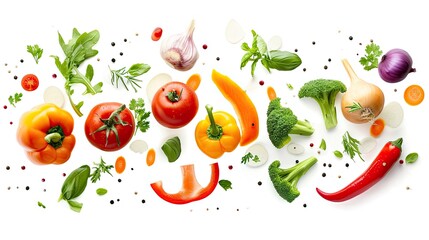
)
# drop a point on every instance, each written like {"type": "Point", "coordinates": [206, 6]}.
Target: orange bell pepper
{"type": "Point", "coordinates": [217, 134]}
{"type": "Point", "coordinates": [45, 132]}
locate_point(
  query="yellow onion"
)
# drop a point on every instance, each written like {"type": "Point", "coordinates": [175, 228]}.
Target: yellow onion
{"type": "Point", "coordinates": [363, 101]}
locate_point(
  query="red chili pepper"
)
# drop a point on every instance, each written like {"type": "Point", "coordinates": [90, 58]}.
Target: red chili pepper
{"type": "Point", "coordinates": [191, 189]}
{"type": "Point", "coordinates": [375, 172]}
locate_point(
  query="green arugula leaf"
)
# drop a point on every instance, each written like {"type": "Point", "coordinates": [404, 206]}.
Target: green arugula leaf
{"type": "Point", "coordinates": [351, 146]}
{"type": "Point", "coordinates": [78, 49]}
{"type": "Point", "coordinates": [370, 60]}
{"type": "Point", "coordinates": [100, 168]}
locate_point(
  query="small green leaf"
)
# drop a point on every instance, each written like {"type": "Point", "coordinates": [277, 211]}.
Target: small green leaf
{"type": "Point", "coordinates": [101, 191]}
{"type": "Point", "coordinates": [322, 144]}
{"type": "Point", "coordinates": [138, 69]}
{"type": "Point", "coordinates": [338, 154]}
{"type": "Point", "coordinates": [75, 183]}
{"type": "Point", "coordinates": [75, 206]}
{"type": "Point", "coordinates": [225, 184]}
{"type": "Point", "coordinates": [40, 204]}
{"type": "Point", "coordinates": [412, 157]}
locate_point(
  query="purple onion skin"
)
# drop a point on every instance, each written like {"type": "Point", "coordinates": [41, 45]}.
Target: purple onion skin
{"type": "Point", "coordinates": [395, 65]}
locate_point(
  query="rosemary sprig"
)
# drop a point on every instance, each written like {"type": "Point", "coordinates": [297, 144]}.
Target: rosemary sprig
{"type": "Point", "coordinates": [356, 106]}
{"type": "Point", "coordinates": [129, 76]}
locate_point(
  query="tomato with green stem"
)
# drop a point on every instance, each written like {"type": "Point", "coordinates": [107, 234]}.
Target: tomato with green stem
{"type": "Point", "coordinates": [175, 104]}
{"type": "Point", "coordinates": [109, 126]}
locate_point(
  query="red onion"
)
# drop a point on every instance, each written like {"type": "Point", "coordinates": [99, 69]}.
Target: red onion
{"type": "Point", "coordinates": [395, 65]}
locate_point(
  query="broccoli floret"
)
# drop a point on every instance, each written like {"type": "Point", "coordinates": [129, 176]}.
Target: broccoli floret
{"type": "Point", "coordinates": [324, 91]}
{"type": "Point", "coordinates": [281, 122]}
{"type": "Point", "coordinates": [285, 180]}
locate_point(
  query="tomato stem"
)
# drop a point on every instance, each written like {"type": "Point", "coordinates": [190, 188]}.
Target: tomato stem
{"type": "Point", "coordinates": [173, 96]}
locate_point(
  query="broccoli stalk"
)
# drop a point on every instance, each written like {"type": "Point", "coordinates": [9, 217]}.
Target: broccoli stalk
{"type": "Point", "coordinates": [324, 92]}
{"type": "Point", "coordinates": [285, 181]}
{"type": "Point", "coordinates": [281, 122]}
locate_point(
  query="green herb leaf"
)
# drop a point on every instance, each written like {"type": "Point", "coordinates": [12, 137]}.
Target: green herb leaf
{"type": "Point", "coordinates": [355, 107]}
{"type": "Point", "coordinates": [140, 114]}
{"type": "Point", "coordinates": [351, 146]}
{"type": "Point", "coordinates": [100, 168]}
{"type": "Point", "coordinates": [274, 59]}
{"type": "Point", "coordinates": [101, 191]}
{"type": "Point", "coordinates": [128, 77]}
{"type": "Point", "coordinates": [322, 144]}
{"type": "Point", "coordinates": [250, 157]}
{"type": "Point", "coordinates": [172, 149]}
{"type": "Point", "coordinates": [338, 154]}
{"type": "Point", "coordinates": [289, 86]}
{"type": "Point", "coordinates": [412, 157]}
{"type": "Point", "coordinates": [74, 185]}
{"type": "Point", "coordinates": [35, 51]}
{"type": "Point", "coordinates": [225, 184]}
{"type": "Point", "coordinates": [370, 60]}
{"type": "Point", "coordinates": [78, 49]}
{"type": "Point", "coordinates": [14, 99]}
{"type": "Point", "coordinates": [40, 204]}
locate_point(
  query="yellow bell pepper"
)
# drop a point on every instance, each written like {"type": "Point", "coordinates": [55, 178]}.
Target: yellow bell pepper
{"type": "Point", "coordinates": [45, 132]}
{"type": "Point", "coordinates": [217, 134]}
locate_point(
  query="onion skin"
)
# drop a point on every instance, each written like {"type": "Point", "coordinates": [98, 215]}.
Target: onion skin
{"type": "Point", "coordinates": [395, 65]}
{"type": "Point", "coordinates": [368, 95]}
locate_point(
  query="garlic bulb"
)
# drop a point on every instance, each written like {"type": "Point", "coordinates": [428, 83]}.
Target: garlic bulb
{"type": "Point", "coordinates": [179, 50]}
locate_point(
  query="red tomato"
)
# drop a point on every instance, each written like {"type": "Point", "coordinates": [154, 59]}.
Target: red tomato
{"type": "Point", "coordinates": [30, 82]}
{"type": "Point", "coordinates": [174, 105]}
{"type": "Point", "coordinates": [101, 122]}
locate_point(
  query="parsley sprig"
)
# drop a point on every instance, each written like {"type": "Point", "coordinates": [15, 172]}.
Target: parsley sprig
{"type": "Point", "coordinates": [140, 114]}
{"type": "Point", "coordinates": [250, 157]}
{"type": "Point", "coordinates": [100, 168]}
{"type": "Point", "coordinates": [351, 146]}
{"type": "Point", "coordinates": [370, 60]}
{"type": "Point", "coordinates": [129, 76]}
{"type": "Point", "coordinates": [35, 51]}
{"type": "Point", "coordinates": [14, 99]}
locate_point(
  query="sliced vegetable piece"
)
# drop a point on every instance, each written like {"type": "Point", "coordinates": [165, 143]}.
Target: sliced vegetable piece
{"type": "Point", "coordinates": [275, 43]}
{"type": "Point", "coordinates": [54, 95]}
{"type": "Point", "coordinates": [377, 127]}
{"type": "Point", "coordinates": [120, 164]}
{"type": "Point", "coordinates": [139, 146]}
{"type": "Point", "coordinates": [295, 148]}
{"type": "Point", "coordinates": [30, 82]}
{"type": "Point", "coordinates": [261, 152]}
{"type": "Point", "coordinates": [271, 92]}
{"type": "Point", "coordinates": [392, 114]}
{"type": "Point", "coordinates": [366, 145]}
{"type": "Point", "coordinates": [150, 157]}
{"type": "Point", "coordinates": [194, 81]}
{"type": "Point", "coordinates": [414, 95]}
{"type": "Point", "coordinates": [234, 33]}
{"type": "Point", "coordinates": [191, 189]}
{"type": "Point", "coordinates": [156, 83]}
{"type": "Point", "coordinates": [242, 104]}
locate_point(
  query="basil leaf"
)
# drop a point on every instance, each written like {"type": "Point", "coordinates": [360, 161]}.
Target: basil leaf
{"type": "Point", "coordinates": [283, 60]}
{"type": "Point", "coordinates": [172, 149]}
{"type": "Point", "coordinates": [75, 206]}
{"type": "Point", "coordinates": [75, 183]}
{"type": "Point", "coordinates": [262, 46]}
{"type": "Point", "coordinates": [101, 191]}
{"type": "Point", "coordinates": [412, 157]}
{"type": "Point", "coordinates": [138, 69]}
{"type": "Point", "coordinates": [225, 184]}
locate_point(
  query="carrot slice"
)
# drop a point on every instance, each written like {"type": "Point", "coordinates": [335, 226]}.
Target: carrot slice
{"type": "Point", "coordinates": [242, 104]}
{"type": "Point", "coordinates": [194, 81]}
{"type": "Point", "coordinates": [377, 127]}
{"type": "Point", "coordinates": [150, 157]}
{"type": "Point", "coordinates": [120, 164]}
{"type": "Point", "coordinates": [271, 93]}
{"type": "Point", "coordinates": [414, 95]}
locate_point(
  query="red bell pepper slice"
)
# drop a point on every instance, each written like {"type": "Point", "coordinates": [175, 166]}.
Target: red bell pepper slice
{"type": "Point", "coordinates": [191, 189]}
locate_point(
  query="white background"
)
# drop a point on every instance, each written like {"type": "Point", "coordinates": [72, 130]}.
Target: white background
{"type": "Point", "coordinates": [248, 210]}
